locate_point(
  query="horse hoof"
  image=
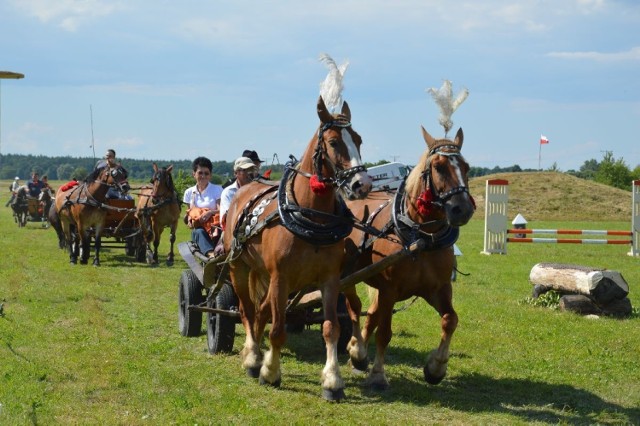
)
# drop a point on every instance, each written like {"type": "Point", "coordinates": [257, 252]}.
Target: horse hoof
{"type": "Point", "coordinates": [73, 262]}
{"type": "Point", "coordinates": [83, 261]}
{"type": "Point", "coordinates": [359, 365]}
{"type": "Point", "coordinates": [333, 395]}
{"type": "Point", "coordinates": [253, 372]}
{"type": "Point", "coordinates": [169, 262]}
{"type": "Point", "coordinates": [430, 378]}
{"type": "Point", "coordinates": [275, 384]}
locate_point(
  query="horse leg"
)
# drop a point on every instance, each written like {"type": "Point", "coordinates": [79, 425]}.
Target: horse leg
{"type": "Point", "coordinates": [69, 237]}
{"type": "Point", "coordinates": [379, 317]}
{"type": "Point", "coordinates": [356, 347]}
{"type": "Point", "coordinates": [172, 240]}
{"type": "Point", "coordinates": [157, 233]}
{"type": "Point", "coordinates": [332, 383]}
{"type": "Point", "coordinates": [436, 368]}
{"type": "Point", "coordinates": [250, 354]}
{"type": "Point", "coordinates": [276, 302]}
{"type": "Point", "coordinates": [98, 239]}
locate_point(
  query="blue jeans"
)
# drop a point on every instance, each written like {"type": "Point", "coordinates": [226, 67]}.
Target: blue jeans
{"type": "Point", "coordinates": [202, 239]}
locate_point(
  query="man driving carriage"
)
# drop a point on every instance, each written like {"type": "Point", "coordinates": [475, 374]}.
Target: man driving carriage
{"type": "Point", "coordinates": [35, 185]}
{"type": "Point", "coordinates": [109, 160]}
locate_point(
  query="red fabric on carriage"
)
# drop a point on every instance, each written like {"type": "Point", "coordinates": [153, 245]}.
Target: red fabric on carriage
{"type": "Point", "coordinates": [68, 185]}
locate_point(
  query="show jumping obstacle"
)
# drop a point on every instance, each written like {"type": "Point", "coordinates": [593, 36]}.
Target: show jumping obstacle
{"type": "Point", "coordinates": [496, 232]}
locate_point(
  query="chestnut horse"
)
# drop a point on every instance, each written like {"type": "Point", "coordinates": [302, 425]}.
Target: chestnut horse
{"type": "Point", "coordinates": [158, 208]}
{"type": "Point", "coordinates": [430, 205]}
{"type": "Point", "coordinates": [83, 206]}
{"type": "Point", "coordinates": [285, 241]}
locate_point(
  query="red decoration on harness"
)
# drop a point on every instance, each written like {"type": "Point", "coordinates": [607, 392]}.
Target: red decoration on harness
{"type": "Point", "coordinates": [425, 203]}
{"type": "Point", "coordinates": [68, 185]}
{"type": "Point", "coordinates": [319, 188]}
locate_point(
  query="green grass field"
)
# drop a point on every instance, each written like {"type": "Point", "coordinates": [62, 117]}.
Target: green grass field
{"type": "Point", "coordinates": [86, 345]}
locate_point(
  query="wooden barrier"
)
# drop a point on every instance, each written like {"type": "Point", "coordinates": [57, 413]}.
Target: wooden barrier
{"type": "Point", "coordinates": [496, 234]}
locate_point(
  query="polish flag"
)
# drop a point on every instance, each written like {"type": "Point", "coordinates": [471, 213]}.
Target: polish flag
{"type": "Point", "coordinates": [543, 139]}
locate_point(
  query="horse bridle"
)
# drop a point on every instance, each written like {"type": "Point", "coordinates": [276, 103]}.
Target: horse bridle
{"type": "Point", "coordinates": [168, 182]}
{"type": "Point", "coordinates": [342, 176]}
{"type": "Point", "coordinates": [441, 198]}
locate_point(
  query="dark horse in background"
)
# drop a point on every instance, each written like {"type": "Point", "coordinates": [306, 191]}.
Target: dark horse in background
{"type": "Point", "coordinates": [430, 205]}
{"type": "Point", "coordinates": [20, 206]}
{"type": "Point", "coordinates": [285, 241]}
{"type": "Point", "coordinates": [83, 206]}
{"type": "Point", "coordinates": [158, 208]}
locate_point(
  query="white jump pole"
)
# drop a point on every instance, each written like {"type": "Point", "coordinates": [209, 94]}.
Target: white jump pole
{"type": "Point", "coordinates": [495, 216]}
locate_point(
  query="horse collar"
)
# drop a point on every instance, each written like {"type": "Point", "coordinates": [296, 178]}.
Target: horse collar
{"type": "Point", "coordinates": [409, 231]}
{"type": "Point", "coordinates": [298, 219]}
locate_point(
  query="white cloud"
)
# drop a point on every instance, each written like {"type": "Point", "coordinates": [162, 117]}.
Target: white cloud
{"type": "Point", "coordinates": [632, 54]}
{"type": "Point", "coordinates": [67, 14]}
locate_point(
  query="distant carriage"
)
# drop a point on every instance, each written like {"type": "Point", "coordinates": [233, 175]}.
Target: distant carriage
{"type": "Point", "coordinates": [31, 209]}
{"type": "Point", "coordinates": [81, 210]}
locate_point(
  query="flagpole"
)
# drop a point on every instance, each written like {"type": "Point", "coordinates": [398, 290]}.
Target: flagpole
{"type": "Point", "coordinates": [539, 155]}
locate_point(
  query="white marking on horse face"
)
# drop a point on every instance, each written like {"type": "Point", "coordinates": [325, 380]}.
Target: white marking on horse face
{"type": "Point", "coordinates": [454, 161]}
{"type": "Point", "coordinates": [351, 148]}
{"type": "Point", "coordinates": [361, 183]}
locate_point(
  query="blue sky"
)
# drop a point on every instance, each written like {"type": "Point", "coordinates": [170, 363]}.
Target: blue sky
{"type": "Point", "coordinates": [174, 80]}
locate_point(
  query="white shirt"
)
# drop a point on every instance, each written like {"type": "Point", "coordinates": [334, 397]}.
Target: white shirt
{"type": "Point", "coordinates": [208, 199]}
{"type": "Point", "coordinates": [227, 195]}
{"type": "Point", "coordinates": [14, 186]}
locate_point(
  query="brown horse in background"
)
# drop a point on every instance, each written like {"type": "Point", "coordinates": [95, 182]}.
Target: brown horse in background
{"type": "Point", "coordinates": [83, 206]}
{"type": "Point", "coordinates": [430, 205]}
{"type": "Point", "coordinates": [158, 208]}
{"type": "Point", "coordinates": [292, 239]}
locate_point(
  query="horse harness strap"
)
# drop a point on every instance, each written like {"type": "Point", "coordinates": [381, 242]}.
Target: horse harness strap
{"type": "Point", "coordinates": [297, 219]}
{"type": "Point", "coordinates": [409, 231]}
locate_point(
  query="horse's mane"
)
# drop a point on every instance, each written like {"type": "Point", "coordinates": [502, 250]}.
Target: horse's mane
{"type": "Point", "coordinates": [94, 174]}
{"type": "Point", "coordinates": [415, 176]}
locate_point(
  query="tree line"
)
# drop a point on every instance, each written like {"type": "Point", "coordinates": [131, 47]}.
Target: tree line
{"type": "Point", "coordinates": [610, 171]}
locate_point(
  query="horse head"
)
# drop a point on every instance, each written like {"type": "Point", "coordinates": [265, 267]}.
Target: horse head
{"type": "Point", "coordinates": [115, 176]}
{"type": "Point", "coordinates": [337, 154]}
{"type": "Point", "coordinates": [45, 195]}
{"type": "Point", "coordinates": [162, 181]}
{"type": "Point", "coordinates": [438, 186]}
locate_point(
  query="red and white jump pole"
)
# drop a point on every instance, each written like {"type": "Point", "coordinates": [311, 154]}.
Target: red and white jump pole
{"type": "Point", "coordinates": [496, 234]}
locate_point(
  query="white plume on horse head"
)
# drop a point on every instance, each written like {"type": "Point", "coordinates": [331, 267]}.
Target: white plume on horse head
{"type": "Point", "coordinates": [447, 104]}
{"type": "Point", "coordinates": [331, 88]}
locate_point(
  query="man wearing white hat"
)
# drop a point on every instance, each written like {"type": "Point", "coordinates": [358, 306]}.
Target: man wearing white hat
{"type": "Point", "coordinates": [245, 171]}
{"type": "Point", "coordinates": [14, 189]}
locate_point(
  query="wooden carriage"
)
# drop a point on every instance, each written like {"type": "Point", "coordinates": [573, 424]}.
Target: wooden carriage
{"type": "Point", "coordinates": [121, 228]}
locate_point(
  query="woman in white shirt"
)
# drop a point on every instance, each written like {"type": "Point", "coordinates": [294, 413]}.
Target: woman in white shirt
{"type": "Point", "coordinates": [203, 194]}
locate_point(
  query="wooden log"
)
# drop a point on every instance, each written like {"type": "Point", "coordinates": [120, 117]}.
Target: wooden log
{"type": "Point", "coordinates": [603, 286]}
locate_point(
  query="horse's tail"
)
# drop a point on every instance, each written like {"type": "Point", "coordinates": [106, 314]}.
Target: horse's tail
{"type": "Point", "coordinates": [54, 220]}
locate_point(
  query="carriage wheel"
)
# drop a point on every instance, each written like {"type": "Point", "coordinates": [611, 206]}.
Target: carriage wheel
{"type": "Point", "coordinates": [189, 293]}
{"type": "Point", "coordinates": [221, 329]}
